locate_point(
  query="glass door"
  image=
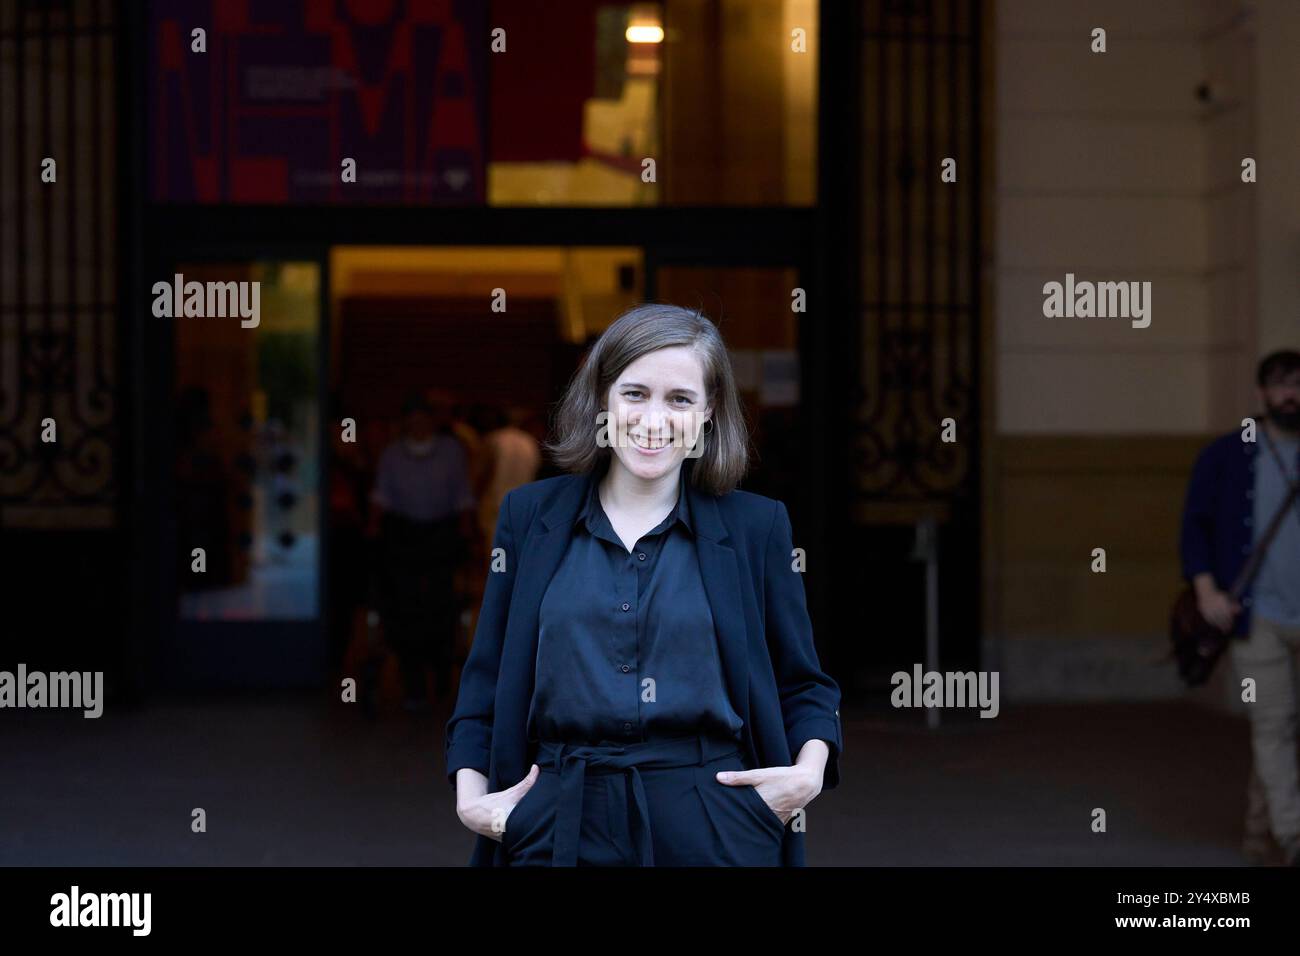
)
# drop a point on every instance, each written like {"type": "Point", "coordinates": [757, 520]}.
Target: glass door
{"type": "Point", "coordinates": [244, 526]}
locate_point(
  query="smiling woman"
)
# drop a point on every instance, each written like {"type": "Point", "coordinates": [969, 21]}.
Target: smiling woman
{"type": "Point", "coordinates": [644, 656]}
{"type": "Point", "coordinates": [682, 351]}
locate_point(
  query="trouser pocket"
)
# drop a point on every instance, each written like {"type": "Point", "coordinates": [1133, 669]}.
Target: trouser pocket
{"type": "Point", "coordinates": [522, 823]}
{"type": "Point", "coordinates": [746, 831]}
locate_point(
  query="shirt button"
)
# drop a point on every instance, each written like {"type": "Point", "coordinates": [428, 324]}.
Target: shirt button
{"type": "Point", "coordinates": [1246, 522]}
{"type": "Point", "coordinates": [625, 668]}
{"type": "Point", "coordinates": [626, 606]}
{"type": "Point", "coordinates": [1245, 602]}
{"type": "Point", "coordinates": [627, 726]}
{"type": "Point", "coordinates": [641, 556]}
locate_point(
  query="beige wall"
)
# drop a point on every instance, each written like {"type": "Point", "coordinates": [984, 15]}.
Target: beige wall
{"type": "Point", "coordinates": [1228, 56]}
{"type": "Point", "coordinates": [1108, 166]}
{"type": "Point", "coordinates": [1277, 79]}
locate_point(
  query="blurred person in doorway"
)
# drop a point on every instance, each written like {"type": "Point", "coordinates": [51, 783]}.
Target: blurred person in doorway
{"type": "Point", "coordinates": [349, 484]}
{"type": "Point", "coordinates": [424, 516]}
{"type": "Point", "coordinates": [1236, 488]}
{"type": "Point", "coordinates": [513, 457]}
{"type": "Point", "coordinates": [462, 422]}
{"type": "Point", "coordinates": [205, 488]}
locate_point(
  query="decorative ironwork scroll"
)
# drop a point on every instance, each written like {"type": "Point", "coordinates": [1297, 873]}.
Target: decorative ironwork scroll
{"type": "Point", "coordinates": [920, 287]}
{"type": "Point", "coordinates": [57, 264]}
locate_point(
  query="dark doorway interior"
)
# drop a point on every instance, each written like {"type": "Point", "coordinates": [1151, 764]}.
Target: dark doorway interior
{"type": "Point", "coordinates": [392, 346]}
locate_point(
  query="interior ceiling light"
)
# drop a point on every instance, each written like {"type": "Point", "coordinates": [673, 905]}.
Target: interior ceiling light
{"type": "Point", "coordinates": [645, 33]}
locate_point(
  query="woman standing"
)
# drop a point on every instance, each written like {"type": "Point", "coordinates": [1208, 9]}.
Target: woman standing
{"type": "Point", "coordinates": [643, 687]}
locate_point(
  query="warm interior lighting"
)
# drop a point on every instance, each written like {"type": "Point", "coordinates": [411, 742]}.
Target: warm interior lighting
{"type": "Point", "coordinates": [645, 33]}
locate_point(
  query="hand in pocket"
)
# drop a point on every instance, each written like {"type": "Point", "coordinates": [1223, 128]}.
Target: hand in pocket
{"type": "Point", "coordinates": [783, 789]}
{"type": "Point", "coordinates": [489, 815]}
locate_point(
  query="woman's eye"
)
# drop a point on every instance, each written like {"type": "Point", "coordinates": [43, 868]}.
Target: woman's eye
{"type": "Point", "coordinates": [635, 394]}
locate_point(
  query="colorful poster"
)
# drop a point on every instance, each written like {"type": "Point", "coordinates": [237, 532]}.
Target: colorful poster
{"type": "Point", "coordinates": [318, 101]}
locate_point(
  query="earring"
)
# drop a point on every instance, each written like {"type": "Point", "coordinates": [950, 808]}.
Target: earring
{"type": "Point", "coordinates": [707, 427]}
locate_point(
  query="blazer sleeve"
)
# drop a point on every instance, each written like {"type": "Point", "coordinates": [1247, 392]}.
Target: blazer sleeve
{"type": "Point", "coordinates": [810, 699]}
{"type": "Point", "coordinates": [1196, 541]}
{"type": "Point", "coordinates": [468, 737]}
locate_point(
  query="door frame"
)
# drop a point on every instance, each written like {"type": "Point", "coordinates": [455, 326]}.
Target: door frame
{"type": "Point", "coordinates": [823, 241]}
{"type": "Point", "coordinates": [259, 654]}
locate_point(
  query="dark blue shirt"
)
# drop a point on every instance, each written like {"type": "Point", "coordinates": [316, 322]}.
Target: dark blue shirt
{"type": "Point", "coordinates": [627, 648]}
{"type": "Point", "coordinates": [1276, 589]}
{"type": "Point", "coordinates": [1218, 526]}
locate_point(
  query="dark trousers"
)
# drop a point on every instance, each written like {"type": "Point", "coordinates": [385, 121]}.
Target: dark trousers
{"type": "Point", "coordinates": [417, 598]}
{"type": "Point", "coordinates": [653, 803]}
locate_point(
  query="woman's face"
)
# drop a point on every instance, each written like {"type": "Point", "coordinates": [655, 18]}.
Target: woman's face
{"type": "Point", "coordinates": [656, 409]}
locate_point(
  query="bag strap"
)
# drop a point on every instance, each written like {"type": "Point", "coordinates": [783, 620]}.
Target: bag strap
{"type": "Point", "coordinates": [1277, 457]}
{"type": "Point", "coordinates": [1257, 555]}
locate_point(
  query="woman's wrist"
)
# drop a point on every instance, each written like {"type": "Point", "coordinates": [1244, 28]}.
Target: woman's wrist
{"type": "Point", "coordinates": [812, 761]}
{"type": "Point", "coordinates": [471, 785]}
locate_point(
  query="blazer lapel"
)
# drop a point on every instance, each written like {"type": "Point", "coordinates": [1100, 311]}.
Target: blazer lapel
{"type": "Point", "coordinates": [721, 573]}
{"type": "Point", "coordinates": [541, 552]}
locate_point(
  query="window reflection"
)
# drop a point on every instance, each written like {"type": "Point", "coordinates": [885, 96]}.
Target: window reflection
{"type": "Point", "coordinates": [720, 95]}
{"type": "Point", "coordinates": [246, 450]}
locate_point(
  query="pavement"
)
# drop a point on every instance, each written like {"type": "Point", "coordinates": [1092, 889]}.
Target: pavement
{"type": "Point", "coordinates": [295, 779]}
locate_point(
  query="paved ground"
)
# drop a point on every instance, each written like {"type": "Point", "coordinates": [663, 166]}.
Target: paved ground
{"type": "Point", "coordinates": [296, 781]}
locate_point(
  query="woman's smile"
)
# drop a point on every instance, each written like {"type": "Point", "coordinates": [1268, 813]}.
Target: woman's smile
{"type": "Point", "coordinates": [650, 446]}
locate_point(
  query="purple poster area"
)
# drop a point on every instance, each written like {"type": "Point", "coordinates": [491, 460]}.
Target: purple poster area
{"type": "Point", "coordinates": [272, 99]}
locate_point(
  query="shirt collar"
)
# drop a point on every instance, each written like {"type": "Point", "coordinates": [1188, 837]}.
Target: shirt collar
{"type": "Point", "coordinates": [592, 512]}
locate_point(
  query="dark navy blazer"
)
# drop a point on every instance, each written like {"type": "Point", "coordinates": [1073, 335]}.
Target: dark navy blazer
{"type": "Point", "coordinates": [765, 641]}
{"type": "Point", "coordinates": [1217, 532]}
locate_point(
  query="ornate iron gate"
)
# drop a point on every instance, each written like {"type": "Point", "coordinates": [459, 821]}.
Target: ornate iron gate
{"type": "Point", "coordinates": [917, 429]}
{"type": "Point", "coordinates": [58, 272]}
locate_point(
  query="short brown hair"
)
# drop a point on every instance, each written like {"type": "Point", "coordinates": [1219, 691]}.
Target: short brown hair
{"type": "Point", "coordinates": [638, 331]}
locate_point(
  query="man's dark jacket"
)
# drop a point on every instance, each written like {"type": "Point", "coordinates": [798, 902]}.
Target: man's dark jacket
{"type": "Point", "coordinates": [1218, 516]}
{"type": "Point", "coordinates": [765, 641]}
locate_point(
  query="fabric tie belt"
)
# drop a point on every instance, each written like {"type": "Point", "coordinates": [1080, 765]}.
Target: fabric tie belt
{"type": "Point", "coordinates": [575, 761]}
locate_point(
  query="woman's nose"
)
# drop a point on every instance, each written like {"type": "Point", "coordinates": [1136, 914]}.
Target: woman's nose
{"type": "Point", "coordinates": [654, 417]}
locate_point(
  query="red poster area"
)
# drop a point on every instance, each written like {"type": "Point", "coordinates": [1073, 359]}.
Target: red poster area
{"type": "Point", "coordinates": [388, 84]}
{"type": "Point", "coordinates": [539, 86]}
